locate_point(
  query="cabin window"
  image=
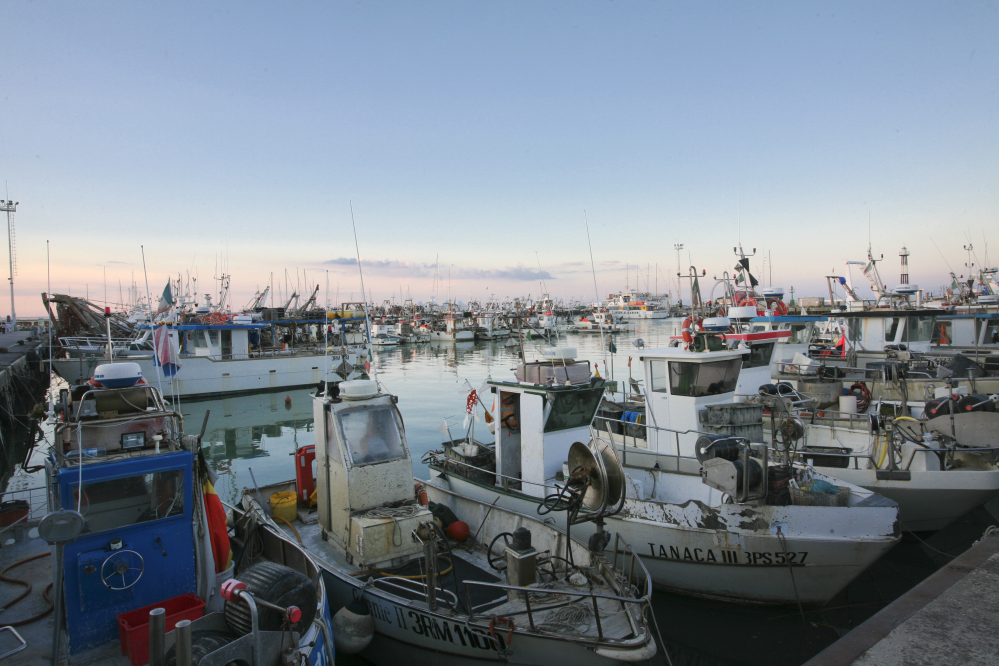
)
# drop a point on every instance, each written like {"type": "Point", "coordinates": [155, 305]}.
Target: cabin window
{"type": "Point", "coordinates": [891, 330]}
{"type": "Point", "coordinates": [856, 328]}
{"type": "Point", "coordinates": [198, 338]}
{"type": "Point", "coordinates": [573, 409]}
{"type": "Point", "coordinates": [759, 355]}
{"type": "Point", "coordinates": [117, 503]}
{"type": "Point", "coordinates": [700, 379]}
{"type": "Point", "coordinates": [920, 329]}
{"type": "Point", "coordinates": [372, 435]}
{"type": "Point", "coordinates": [659, 382]}
{"type": "Point", "coordinates": [800, 334]}
{"type": "Point", "coordinates": [991, 331]}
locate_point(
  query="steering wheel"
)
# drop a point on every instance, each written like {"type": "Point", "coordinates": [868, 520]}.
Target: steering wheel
{"type": "Point", "coordinates": [501, 558]}
{"type": "Point", "coordinates": [122, 565]}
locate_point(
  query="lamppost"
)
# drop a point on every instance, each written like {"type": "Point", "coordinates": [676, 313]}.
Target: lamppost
{"type": "Point", "coordinates": [10, 207]}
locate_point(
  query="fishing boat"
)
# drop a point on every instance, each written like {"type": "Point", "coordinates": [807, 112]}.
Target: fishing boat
{"type": "Point", "coordinates": [452, 329]}
{"type": "Point", "coordinates": [425, 573]}
{"type": "Point", "coordinates": [144, 567]}
{"type": "Point", "coordinates": [717, 513]}
{"type": "Point", "coordinates": [228, 357]}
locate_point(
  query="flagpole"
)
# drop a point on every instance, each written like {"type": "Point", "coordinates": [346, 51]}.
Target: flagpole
{"type": "Point", "coordinates": [152, 328]}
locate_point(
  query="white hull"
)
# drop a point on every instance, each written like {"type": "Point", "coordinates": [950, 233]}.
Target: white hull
{"type": "Point", "coordinates": [457, 336]}
{"type": "Point", "coordinates": [721, 553]}
{"type": "Point", "coordinates": [929, 500]}
{"type": "Point", "coordinates": [205, 376]}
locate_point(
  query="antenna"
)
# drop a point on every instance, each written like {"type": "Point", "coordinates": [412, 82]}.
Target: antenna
{"type": "Point", "coordinates": [367, 320]}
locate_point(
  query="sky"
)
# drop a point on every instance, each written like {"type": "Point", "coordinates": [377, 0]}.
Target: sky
{"type": "Point", "coordinates": [471, 143]}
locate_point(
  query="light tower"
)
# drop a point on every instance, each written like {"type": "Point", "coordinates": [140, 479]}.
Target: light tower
{"type": "Point", "coordinates": [10, 207]}
{"type": "Point", "coordinates": [904, 254]}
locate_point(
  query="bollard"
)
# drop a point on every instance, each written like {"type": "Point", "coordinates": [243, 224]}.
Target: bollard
{"type": "Point", "coordinates": [157, 636]}
{"type": "Point", "coordinates": [184, 654]}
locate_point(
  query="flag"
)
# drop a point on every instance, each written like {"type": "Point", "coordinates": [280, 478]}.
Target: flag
{"type": "Point", "coordinates": [166, 300]}
{"type": "Point", "coordinates": [695, 293]}
{"type": "Point", "coordinates": [528, 335]}
{"type": "Point", "coordinates": [166, 352]}
{"type": "Point", "coordinates": [368, 360]}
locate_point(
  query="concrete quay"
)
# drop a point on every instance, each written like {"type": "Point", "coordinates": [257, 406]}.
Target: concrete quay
{"type": "Point", "coordinates": [949, 619]}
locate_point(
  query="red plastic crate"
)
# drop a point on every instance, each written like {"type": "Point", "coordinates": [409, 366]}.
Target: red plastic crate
{"type": "Point", "coordinates": [133, 626]}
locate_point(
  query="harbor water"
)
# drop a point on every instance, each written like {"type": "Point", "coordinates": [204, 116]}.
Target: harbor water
{"type": "Point", "coordinates": [250, 440]}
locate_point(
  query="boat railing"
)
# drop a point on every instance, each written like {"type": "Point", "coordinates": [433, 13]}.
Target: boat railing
{"type": "Point", "coordinates": [635, 596]}
{"type": "Point", "coordinates": [99, 343]}
{"type": "Point", "coordinates": [408, 586]}
{"type": "Point", "coordinates": [36, 499]}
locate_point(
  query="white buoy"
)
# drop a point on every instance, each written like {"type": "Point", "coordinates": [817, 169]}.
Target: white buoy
{"type": "Point", "coordinates": [353, 627]}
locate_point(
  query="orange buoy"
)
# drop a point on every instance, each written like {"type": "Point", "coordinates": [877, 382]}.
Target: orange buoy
{"type": "Point", "coordinates": [458, 530]}
{"type": "Point", "coordinates": [287, 400]}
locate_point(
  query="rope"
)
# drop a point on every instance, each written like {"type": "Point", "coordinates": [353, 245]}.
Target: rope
{"type": "Point", "coordinates": [783, 543]}
{"type": "Point", "coordinates": [395, 513]}
{"type": "Point", "coordinates": [568, 619]}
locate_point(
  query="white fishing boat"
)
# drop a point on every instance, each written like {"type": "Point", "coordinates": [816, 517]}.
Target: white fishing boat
{"type": "Point", "coordinates": [143, 568]}
{"type": "Point", "coordinates": [202, 360]}
{"type": "Point", "coordinates": [712, 508]}
{"type": "Point", "coordinates": [490, 327]}
{"type": "Point", "coordinates": [452, 329]}
{"type": "Point", "coordinates": [482, 584]}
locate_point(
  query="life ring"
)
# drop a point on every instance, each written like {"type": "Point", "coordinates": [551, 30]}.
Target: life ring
{"type": "Point", "coordinates": [218, 318]}
{"type": "Point", "coordinates": [780, 309]}
{"type": "Point", "coordinates": [688, 335]}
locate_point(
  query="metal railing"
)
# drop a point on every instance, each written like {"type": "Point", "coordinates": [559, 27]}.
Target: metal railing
{"type": "Point", "coordinates": [627, 602]}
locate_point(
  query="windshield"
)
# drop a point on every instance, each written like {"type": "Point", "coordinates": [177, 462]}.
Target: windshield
{"type": "Point", "coordinates": [699, 379]}
{"type": "Point", "coordinates": [118, 503]}
{"type": "Point", "coordinates": [372, 435]}
{"type": "Point", "coordinates": [573, 409]}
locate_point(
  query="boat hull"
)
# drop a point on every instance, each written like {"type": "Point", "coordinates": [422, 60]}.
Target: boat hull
{"type": "Point", "coordinates": [928, 500]}
{"type": "Point", "coordinates": [808, 563]}
{"type": "Point", "coordinates": [204, 376]}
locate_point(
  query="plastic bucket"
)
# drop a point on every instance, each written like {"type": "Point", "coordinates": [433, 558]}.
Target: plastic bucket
{"type": "Point", "coordinates": [848, 404]}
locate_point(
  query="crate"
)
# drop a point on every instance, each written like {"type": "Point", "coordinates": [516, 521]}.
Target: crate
{"type": "Point", "coordinates": [459, 463]}
{"type": "Point", "coordinates": [801, 497]}
{"type": "Point", "coordinates": [133, 626]}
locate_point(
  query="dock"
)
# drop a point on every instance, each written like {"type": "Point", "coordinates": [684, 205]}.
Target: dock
{"type": "Point", "coordinates": [947, 620]}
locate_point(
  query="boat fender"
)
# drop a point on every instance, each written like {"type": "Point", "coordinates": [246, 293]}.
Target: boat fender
{"type": "Point", "coordinates": [458, 530]}
{"type": "Point", "coordinates": [353, 627]}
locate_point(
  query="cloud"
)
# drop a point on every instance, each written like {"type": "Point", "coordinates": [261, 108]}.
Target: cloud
{"type": "Point", "coordinates": [415, 269]}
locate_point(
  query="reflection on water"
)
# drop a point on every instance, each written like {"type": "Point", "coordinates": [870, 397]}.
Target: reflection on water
{"type": "Point", "coordinates": [261, 432]}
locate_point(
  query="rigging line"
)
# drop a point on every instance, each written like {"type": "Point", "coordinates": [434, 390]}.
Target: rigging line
{"type": "Point", "coordinates": [367, 320]}
{"type": "Point", "coordinates": [941, 254]}
{"type": "Point", "coordinates": [596, 292]}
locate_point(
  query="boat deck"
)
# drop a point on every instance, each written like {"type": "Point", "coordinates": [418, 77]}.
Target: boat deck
{"type": "Point", "coordinates": [557, 606]}
{"type": "Point", "coordinates": [38, 633]}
